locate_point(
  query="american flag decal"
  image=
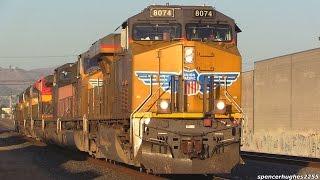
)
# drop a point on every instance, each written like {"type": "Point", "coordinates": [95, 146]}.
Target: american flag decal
{"type": "Point", "coordinates": [191, 82]}
{"type": "Point", "coordinates": [191, 87]}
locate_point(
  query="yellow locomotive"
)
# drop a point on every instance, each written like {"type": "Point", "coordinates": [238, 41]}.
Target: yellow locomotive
{"type": "Point", "coordinates": [163, 94]}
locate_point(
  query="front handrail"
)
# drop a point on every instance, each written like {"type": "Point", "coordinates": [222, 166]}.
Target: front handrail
{"type": "Point", "coordinates": [145, 102]}
{"type": "Point", "coordinates": [231, 99]}
{"type": "Point", "coordinates": [151, 94]}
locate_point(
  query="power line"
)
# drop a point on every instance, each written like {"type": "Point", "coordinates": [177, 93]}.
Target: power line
{"type": "Point", "coordinates": [10, 81]}
{"type": "Point", "coordinates": [28, 57]}
{"type": "Point", "coordinates": [15, 84]}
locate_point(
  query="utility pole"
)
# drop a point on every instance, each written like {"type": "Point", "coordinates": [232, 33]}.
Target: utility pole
{"type": "Point", "coordinates": [10, 105]}
{"type": "Point", "coordinates": [0, 109]}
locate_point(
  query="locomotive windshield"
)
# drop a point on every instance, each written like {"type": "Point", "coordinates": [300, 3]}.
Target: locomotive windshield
{"type": "Point", "coordinates": [208, 32]}
{"type": "Point", "coordinates": [156, 32]}
{"type": "Point", "coordinates": [91, 65]}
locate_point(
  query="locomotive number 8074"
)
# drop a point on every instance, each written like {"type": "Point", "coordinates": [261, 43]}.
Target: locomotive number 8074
{"type": "Point", "coordinates": [163, 12]}
{"type": "Point", "coordinates": [163, 94]}
{"type": "Point", "coordinates": [203, 13]}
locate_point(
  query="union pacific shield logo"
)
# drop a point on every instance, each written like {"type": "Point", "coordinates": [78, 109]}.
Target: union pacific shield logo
{"type": "Point", "coordinates": [194, 81]}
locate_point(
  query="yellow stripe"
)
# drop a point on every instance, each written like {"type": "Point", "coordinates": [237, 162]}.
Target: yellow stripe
{"type": "Point", "coordinates": [183, 115]}
{"type": "Point", "coordinates": [46, 98]}
{"type": "Point", "coordinates": [222, 116]}
{"type": "Point", "coordinates": [171, 115]}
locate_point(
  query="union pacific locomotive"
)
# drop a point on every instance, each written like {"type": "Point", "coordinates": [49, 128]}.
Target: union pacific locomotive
{"type": "Point", "coordinates": [163, 94]}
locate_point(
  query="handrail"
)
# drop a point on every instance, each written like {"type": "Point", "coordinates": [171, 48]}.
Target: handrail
{"type": "Point", "coordinates": [230, 98]}
{"type": "Point", "coordinates": [158, 98]}
{"type": "Point", "coordinates": [145, 101]}
{"type": "Point", "coordinates": [141, 105]}
{"type": "Point", "coordinates": [151, 93]}
{"type": "Point", "coordinates": [159, 74]}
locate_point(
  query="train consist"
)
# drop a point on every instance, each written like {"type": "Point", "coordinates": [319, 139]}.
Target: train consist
{"type": "Point", "coordinates": [163, 94]}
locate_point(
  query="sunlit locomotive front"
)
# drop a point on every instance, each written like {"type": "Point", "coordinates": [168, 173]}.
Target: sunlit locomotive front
{"type": "Point", "coordinates": [185, 89]}
{"type": "Point", "coordinates": [162, 95]}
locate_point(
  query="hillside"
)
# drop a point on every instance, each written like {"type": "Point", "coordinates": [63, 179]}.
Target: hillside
{"type": "Point", "coordinates": [15, 80]}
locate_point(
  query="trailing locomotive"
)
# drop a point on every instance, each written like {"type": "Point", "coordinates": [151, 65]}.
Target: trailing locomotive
{"type": "Point", "coordinates": [163, 94]}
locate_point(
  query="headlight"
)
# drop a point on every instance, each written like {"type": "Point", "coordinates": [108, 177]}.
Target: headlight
{"type": "Point", "coordinates": [188, 54]}
{"type": "Point", "coordinates": [220, 105]}
{"type": "Point", "coordinates": [164, 105]}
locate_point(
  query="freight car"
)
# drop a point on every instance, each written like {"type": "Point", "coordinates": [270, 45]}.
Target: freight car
{"type": "Point", "coordinates": [163, 94]}
{"type": "Point", "coordinates": [282, 116]}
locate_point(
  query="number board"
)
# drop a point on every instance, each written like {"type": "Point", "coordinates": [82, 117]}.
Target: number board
{"type": "Point", "coordinates": [162, 12]}
{"type": "Point", "coordinates": [203, 13]}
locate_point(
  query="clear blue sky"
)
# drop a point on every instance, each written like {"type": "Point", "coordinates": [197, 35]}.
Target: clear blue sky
{"type": "Point", "coordinates": [69, 27]}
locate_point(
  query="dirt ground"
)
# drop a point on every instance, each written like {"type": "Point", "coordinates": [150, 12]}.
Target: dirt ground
{"type": "Point", "coordinates": [25, 158]}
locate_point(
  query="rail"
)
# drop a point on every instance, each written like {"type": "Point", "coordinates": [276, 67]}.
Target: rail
{"type": "Point", "coordinates": [282, 159]}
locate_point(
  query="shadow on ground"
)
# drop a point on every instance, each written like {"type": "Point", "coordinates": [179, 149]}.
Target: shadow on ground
{"type": "Point", "coordinates": [33, 161]}
{"type": "Point", "coordinates": [252, 169]}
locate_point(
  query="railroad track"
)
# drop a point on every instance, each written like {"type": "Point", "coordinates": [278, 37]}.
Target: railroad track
{"type": "Point", "coordinates": [282, 159]}
{"type": "Point", "coordinates": [118, 167]}
{"type": "Point", "coordinates": [144, 175]}
{"type": "Point", "coordinates": [115, 166]}
{"type": "Point", "coordinates": [107, 165]}
{"type": "Point", "coordinates": [136, 173]}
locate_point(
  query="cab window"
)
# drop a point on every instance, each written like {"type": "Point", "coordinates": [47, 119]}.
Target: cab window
{"type": "Point", "coordinates": [208, 32]}
{"type": "Point", "coordinates": [156, 32]}
{"type": "Point", "coordinates": [91, 65]}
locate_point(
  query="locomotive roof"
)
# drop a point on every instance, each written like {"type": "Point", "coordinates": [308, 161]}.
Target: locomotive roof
{"type": "Point", "coordinates": [69, 70]}
{"type": "Point", "coordinates": [65, 66]}
{"type": "Point", "coordinates": [182, 14]}
{"type": "Point", "coordinates": [181, 7]}
{"type": "Point", "coordinates": [49, 78]}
